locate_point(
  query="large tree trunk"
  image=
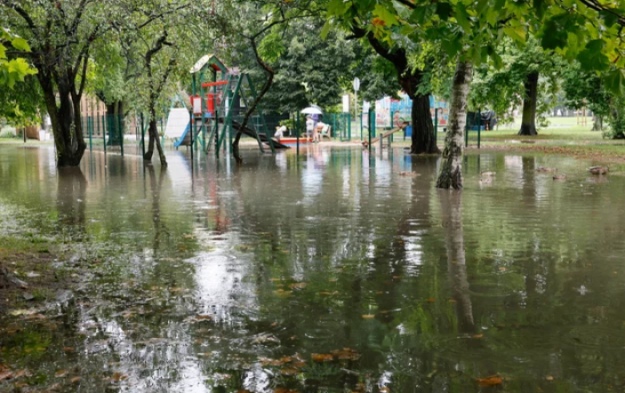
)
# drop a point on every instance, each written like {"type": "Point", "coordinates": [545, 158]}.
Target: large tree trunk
{"type": "Point", "coordinates": [528, 122]}
{"type": "Point", "coordinates": [423, 136]}
{"type": "Point", "coordinates": [451, 170]}
{"type": "Point", "coordinates": [65, 118]}
{"type": "Point", "coordinates": [115, 119]}
{"type": "Point", "coordinates": [423, 133]}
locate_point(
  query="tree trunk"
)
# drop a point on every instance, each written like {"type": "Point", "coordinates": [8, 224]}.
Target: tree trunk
{"type": "Point", "coordinates": [423, 136]}
{"type": "Point", "coordinates": [154, 140]}
{"type": "Point", "coordinates": [451, 170]}
{"type": "Point", "coordinates": [115, 115]}
{"type": "Point", "coordinates": [66, 123]}
{"type": "Point", "coordinates": [597, 123]}
{"type": "Point", "coordinates": [423, 133]}
{"type": "Point", "coordinates": [528, 122]}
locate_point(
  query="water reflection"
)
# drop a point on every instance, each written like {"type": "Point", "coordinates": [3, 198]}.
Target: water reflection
{"type": "Point", "coordinates": [71, 199]}
{"type": "Point", "coordinates": [329, 271]}
{"type": "Point", "coordinates": [451, 211]}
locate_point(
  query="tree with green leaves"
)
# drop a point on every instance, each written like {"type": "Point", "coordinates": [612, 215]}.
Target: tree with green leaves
{"type": "Point", "coordinates": [529, 77]}
{"type": "Point", "coordinates": [585, 89]}
{"type": "Point", "coordinates": [13, 69]}
{"type": "Point", "coordinates": [61, 35]}
{"type": "Point", "coordinates": [383, 26]}
{"type": "Point", "coordinates": [20, 101]}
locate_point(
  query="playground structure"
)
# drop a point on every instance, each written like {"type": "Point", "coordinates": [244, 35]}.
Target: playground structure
{"type": "Point", "coordinates": [219, 101]}
{"type": "Point", "coordinates": [387, 135]}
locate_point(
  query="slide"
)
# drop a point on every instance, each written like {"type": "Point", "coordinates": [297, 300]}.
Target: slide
{"type": "Point", "coordinates": [384, 135]}
{"type": "Point", "coordinates": [177, 123]}
{"type": "Point", "coordinates": [183, 139]}
{"type": "Point", "coordinates": [263, 138]}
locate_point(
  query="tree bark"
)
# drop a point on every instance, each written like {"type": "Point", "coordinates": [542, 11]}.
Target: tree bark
{"type": "Point", "coordinates": [597, 123]}
{"type": "Point", "coordinates": [451, 170]}
{"type": "Point", "coordinates": [65, 118]}
{"type": "Point", "coordinates": [115, 116]}
{"type": "Point", "coordinates": [154, 140]}
{"type": "Point", "coordinates": [423, 133]}
{"type": "Point", "coordinates": [528, 122]}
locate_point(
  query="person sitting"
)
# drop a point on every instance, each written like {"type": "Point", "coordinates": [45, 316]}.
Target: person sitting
{"type": "Point", "coordinates": [318, 131]}
{"type": "Point", "coordinates": [280, 130]}
{"type": "Point", "coordinates": [310, 126]}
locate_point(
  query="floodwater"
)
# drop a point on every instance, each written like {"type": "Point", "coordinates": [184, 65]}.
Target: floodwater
{"type": "Point", "coordinates": [328, 272]}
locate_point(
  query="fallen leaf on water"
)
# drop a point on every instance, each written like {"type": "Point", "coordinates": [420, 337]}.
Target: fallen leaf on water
{"type": "Point", "coordinates": [346, 354]}
{"type": "Point", "coordinates": [493, 380]}
{"type": "Point", "coordinates": [60, 373]}
{"type": "Point", "coordinates": [23, 373]}
{"type": "Point", "coordinates": [75, 379]}
{"type": "Point", "coordinates": [322, 357]}
{"type": "Point", "coordinates": [479, 335]}
{"type": "Point", "coordinates": [68, 350]}
{"type": "Point", "coordinates": [298, 285]}
{"type": "Point", "coordinates": [270, 362]}
{"type": "Point", "coordinates": [284, 390]}
{"type": "Point", "coordinates": [17, 313]}
{"type": "Point", "coordinates": [117, 376]}
{"type": "Point", "coordinates": [5, 374]}
{"type": "Point", "coordinates": [385, 389]}
{"type": "Point", "coordinates": [549, 378]}
{"type": "Point", "coordinates": [289, 371]}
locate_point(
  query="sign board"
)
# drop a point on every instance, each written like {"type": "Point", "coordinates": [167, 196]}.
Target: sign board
{"type": "Point", "coordinates": [346, 103]}
{"type": "Point", "coordinates": [197, 105]}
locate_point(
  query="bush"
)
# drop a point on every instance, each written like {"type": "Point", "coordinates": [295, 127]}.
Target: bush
{"type": "Point", "coordinates": [8, 132]}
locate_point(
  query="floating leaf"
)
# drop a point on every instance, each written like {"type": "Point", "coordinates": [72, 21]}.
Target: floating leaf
{"type": "Point", "coordinates": [298, 285]}
{"type": "Point", "coordinates": [346, 354]}
{"type": "Point", "coordinates": [322, 357]}
{"type": "Point", "coordinates": [61, 373]}
{"type": "Point", "coordinates": [368, 316]}
{"type": "Point", "coordinates": [492, 380]}
{"type": "Point", "coordinates": [5, 373]}
{"type": "Point", "coordinates": [117, 376]}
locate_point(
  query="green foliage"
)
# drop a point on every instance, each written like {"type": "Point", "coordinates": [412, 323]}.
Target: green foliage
{"type": "Point", "coordinates": [13, 69]}
{"type": "Point", "coordinates": [501, 89]}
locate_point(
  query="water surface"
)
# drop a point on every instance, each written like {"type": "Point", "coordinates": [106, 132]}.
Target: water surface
{"type": "Point", "coordinates": [328, 272]}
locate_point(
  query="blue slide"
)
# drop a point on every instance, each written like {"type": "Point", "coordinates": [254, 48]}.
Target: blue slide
{"type": "Point", "coordinates": [179, 141]}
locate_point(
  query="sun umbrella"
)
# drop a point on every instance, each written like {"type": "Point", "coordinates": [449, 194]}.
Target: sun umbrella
{"type": "Point", "coordinates": [311, 110]}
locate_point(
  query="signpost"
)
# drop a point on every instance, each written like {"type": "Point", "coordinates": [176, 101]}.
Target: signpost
{"type": "Point", "coordinates": [356, 84]}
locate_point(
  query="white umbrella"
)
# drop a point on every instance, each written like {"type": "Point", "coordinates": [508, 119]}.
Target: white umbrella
{"type": "Point", "coordinates": [311, 110]}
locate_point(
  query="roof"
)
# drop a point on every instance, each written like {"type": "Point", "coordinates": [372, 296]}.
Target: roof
{"type": "Point", "coordinates": [209, 60]}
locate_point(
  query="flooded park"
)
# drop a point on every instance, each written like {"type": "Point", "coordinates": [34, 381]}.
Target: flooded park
{"type": "Point", "coordinates": [329, 271]}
